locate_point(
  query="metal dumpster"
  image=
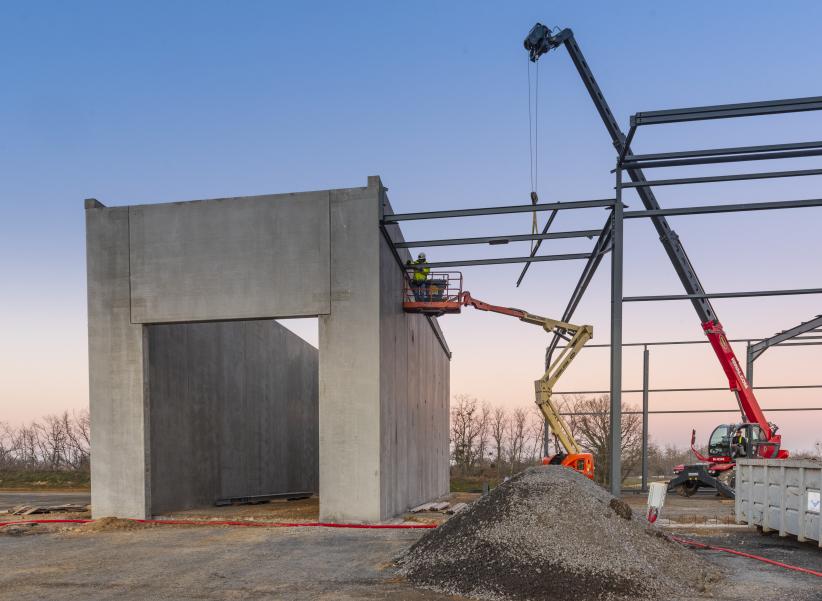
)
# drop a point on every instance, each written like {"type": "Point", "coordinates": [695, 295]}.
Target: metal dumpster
{"type": "Point", "coordinates": [781, 495]}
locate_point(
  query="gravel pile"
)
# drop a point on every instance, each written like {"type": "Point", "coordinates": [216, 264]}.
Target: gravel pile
{"type": "Point", "coordinates": [551, 533]}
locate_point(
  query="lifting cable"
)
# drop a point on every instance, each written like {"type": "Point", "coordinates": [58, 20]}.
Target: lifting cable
{"type": "Point", "coordinates": [533, 144]}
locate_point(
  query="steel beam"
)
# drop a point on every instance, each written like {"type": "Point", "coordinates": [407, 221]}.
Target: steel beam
{"type": "Point", "coordinates": [698, 389]}
{"type": "Point", "coordinates": [554, 206]}
{"type": "Point", "coordinates": [600, 248]}
{"type": "Point", "coordinates": [707, 152]}
{"type": "Point", "coordinates": [615, 444]}
{"type": "Point", "coordinates": [676, 411]}
{"type": "Point", "coordinates": [762, 156]}
{"type": "Point", "coordinates": [669, 297]}
{"type": "Point", "coordinates": [721, 178]}
{"type": "Point", "coordinates": [525, 267]}
{"type": "Point", "coordinates": [729, 208]}
{"type": "Point", "coordinates": [645, 377]}
{"type": "Point", "coordinates": [725, 111]}
{"type": "Point", "coordinates": [503, 260]}
{"type": "Point", "coordinates": [494, 240]}
{"type": "Point", "coordinates": [755, 350]}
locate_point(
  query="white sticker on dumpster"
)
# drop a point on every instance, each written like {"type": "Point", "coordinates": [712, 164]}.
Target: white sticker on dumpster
{"type": "Point", "coordinates": [813, 501]}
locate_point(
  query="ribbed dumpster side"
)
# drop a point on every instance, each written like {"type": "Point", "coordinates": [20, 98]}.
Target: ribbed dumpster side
{"type": "Point", "coordinates": [781, 495]}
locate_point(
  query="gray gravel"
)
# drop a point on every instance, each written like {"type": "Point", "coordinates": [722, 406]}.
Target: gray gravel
{"type": "Point", "coordinates": [551, 533]}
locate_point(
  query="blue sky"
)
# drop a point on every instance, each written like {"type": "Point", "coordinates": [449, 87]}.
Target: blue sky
{"type": "Point", "coordinates": [163, 101]}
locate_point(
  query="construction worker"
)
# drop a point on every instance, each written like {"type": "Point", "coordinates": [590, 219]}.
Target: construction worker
{"type": "Point", "coordinates": [419, 278]}
{"type": "Point", "coordinates": [739, 444]}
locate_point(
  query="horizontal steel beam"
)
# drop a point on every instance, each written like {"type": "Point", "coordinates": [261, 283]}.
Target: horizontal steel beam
{"type": "Point", "coordinates": [725, 111]}
{"type": "Point", "coordinates": [501, 261]}
{"type": "Point", "coordinates": [706, 152]}
{"type": "Point", "coordinates": [691, 411]}
{"type": "Point", "coordinates": [761, 156]}
{"type": "Point", "coordinates": [698, 389]}
{"type": "Point", "coordinates": [499, 239]}
{"type": "Point", "coordinates": [705, 341]}
{"type": "Point", "coordinates": [730, 208]}
{"type": "Point", "coordinates": [721, 178]}
{"type": "Point", "coordinates": [667, 297]}
{"type": "Point", "coordinates": [554, 206]}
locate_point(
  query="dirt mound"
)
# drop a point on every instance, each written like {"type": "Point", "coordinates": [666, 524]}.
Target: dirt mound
{"type": "Point", "coordinates": [112, 525]}
{"type": "Point", "coordinates": [551, 533]}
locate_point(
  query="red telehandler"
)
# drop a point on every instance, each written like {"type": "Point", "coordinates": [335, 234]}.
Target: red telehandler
{"type": "Point", "coordinates": [761, 439]}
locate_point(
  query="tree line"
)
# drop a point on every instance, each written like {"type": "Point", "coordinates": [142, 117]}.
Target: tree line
{"type": "Point", "coordinates": [493, 441]}
{"type": "Point", "coordinates": [52, 443]}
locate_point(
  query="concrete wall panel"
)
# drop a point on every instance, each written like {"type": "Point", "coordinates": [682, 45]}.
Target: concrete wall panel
{"type": "Point", "coordinates": [350, 364]}
{"type": "Point", "coordinates": [118, 405]}
{"type": "Point", "coordinates": [414, 396]}
{"type": "Point", "coordinates": [234, 412]}
{"type": "Point", "coordinates": [232, 258]}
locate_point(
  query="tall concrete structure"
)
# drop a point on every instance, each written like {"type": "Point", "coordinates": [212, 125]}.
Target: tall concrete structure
{"type": "Point", "coordinates": [184, 408]}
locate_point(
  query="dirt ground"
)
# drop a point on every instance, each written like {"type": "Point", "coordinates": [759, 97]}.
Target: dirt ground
{"type": "Point", "coordinates": [702, 508]}
{"type": "Point", "coordinates": [72, 563]}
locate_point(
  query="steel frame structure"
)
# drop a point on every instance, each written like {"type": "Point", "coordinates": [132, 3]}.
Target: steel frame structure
{"type": "Point", "coordinates": [646, 391]}
{"type": "Point", "coordinates": [611, 239]}
{"type": "Point", "coordinates": [633, 164]}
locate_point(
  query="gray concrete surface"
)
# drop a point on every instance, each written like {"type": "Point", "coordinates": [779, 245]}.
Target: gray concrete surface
{"type": "Point", "coordinates": [230, 258]}
{"type": "Point", "coordinates": [383, 375]}
{"type": "Point", "coordinates": [414, 394]}
{"type": "Point", "coordinates": [118, 403]}
{"type": "Point", "coordinates": [9, 499]}
{"type": "Point", "coordinates": [234, 412]}
{"type": "Point", "coordinates": [183, 563]}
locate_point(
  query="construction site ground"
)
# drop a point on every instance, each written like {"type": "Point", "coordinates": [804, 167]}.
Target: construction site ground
{"type": "Point", "coordinates": [129, 561]}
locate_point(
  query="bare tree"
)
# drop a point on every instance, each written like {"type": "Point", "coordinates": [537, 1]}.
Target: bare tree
{"type": "Point", "coordinates": [536, 434]}
{"type": "Point", "coordinates": [56, 442]}
{"type": "Point", "coordinates": [483, 433]}
{"type": "Point", "coordinates": [591, 426]}
{"type": "Point", "coordinates": [464, 431]}
{"type": "Point", "coordinates": [517, 431]}
{"type": "Point", "coordinates": [499, 425]}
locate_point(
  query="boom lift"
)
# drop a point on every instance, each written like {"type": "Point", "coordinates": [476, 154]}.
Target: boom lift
{"type": "Point", "coordinates": [444, 295]}
{"type": "Point", "coordinates": [761, 434]}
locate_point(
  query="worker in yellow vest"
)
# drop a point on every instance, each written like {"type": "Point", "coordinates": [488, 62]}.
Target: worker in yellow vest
{"type": "Point", "coordinates": [419, 277]}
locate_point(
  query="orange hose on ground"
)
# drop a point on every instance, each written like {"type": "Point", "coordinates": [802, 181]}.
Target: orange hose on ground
{"type": "Point", "coordinates": [238, 523]}
{"type": "Point", "coordinates": [787, 566]}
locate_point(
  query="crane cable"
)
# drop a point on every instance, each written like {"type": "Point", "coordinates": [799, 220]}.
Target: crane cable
{"type": "Point", "coordinates": [533, 145]}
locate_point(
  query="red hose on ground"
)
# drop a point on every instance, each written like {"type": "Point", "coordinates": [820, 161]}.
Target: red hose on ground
{"type": "Point", "coordinates": [238, 523]}
{"type": "Point", "coordinates": [787, 566]}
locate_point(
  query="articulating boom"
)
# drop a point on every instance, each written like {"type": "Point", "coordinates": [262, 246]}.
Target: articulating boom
{"type": "Point", "coordinates": [540, 41]}
{"type": "Point", "coordinates": [544, 386]}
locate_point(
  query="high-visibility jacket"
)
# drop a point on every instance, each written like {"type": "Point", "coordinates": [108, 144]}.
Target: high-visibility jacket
{"type": "Point", "coordinates": [420, 270]}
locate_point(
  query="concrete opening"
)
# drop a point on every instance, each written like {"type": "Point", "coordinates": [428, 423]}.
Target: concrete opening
{"type": "Point", "coordinates": [233, 412]}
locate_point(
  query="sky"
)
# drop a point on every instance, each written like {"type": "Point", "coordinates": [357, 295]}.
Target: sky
{"type": "Point", "coordinates": [166, 101]}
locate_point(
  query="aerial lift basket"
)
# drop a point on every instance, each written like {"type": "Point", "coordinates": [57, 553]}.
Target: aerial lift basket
{"type": "Point", "coordinates": [440, 293]}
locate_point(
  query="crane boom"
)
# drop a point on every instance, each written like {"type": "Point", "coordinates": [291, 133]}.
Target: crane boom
{"type": "Point", "coordinates": [540, 41]}
{"type": "Point", "coordinates": [543, 387]}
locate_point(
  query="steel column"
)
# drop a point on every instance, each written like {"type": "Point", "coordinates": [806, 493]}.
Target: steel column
{"type": "Point", "coordinates": [645, 378]}
{"type": "Point", "coordinates": [615, 459]}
